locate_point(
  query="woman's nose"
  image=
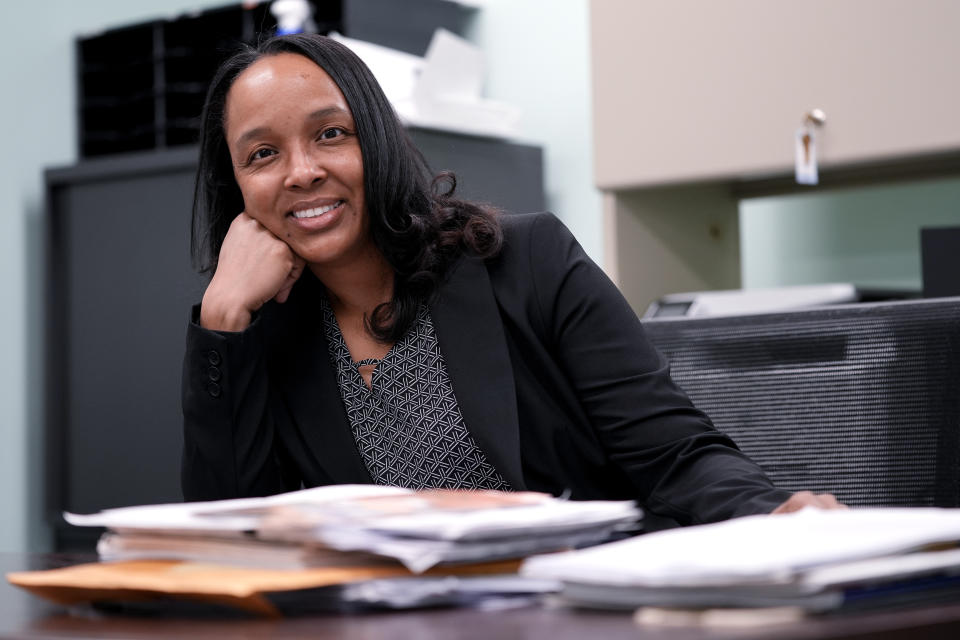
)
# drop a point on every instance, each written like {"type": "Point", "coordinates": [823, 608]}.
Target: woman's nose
{"type": "Point", "coordinates": [305, 170]}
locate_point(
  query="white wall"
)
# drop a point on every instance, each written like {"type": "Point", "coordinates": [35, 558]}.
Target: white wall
{"type": "Point", "coordinates": [538, 58]}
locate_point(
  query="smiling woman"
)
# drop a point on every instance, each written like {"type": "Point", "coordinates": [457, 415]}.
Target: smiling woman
{"type": "Point", "coordinates": [364, 325]}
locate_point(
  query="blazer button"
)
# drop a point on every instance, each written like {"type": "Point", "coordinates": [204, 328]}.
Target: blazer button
{"type": "Point", "coordinates": [214, 374]}
{"type": "Point", "coordinates": [213, 389]}
{"type": "Point", "coordinates": [213, 357]}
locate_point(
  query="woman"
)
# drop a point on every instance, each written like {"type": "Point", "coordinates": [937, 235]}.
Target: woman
{"type": "Point", "coordinates": [361, 327]}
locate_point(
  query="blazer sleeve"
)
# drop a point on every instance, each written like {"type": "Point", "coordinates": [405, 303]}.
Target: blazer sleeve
{"type": "Point", "coordinates": [680, 464]}
{"type": "Point", "coordinates": [229, 447]}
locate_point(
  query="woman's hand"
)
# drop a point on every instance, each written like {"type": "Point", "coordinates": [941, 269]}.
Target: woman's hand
{"type": "Point", "coordinates": [254, 266]}
{"type": "Point", "coordinates": [802, 499]}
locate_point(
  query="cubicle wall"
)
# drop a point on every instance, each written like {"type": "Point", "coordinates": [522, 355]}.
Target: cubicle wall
{"type": "Point", "coordinates": [859, 400]}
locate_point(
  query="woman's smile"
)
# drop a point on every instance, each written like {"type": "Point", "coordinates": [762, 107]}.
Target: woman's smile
{"type": "Point", "coordinates": [314, 217]}
{"type": "Point", "coordinates": [313, 212]}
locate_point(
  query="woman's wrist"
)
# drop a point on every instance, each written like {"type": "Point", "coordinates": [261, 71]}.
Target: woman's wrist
{"type": "Point", "coordinates": [219, 315]}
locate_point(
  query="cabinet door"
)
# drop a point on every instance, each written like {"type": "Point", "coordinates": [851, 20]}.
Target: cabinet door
{"type": "Point", "coordinates": [692, 90]}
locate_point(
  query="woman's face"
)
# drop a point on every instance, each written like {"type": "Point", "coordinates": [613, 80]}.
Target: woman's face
{"type": "Point", "coordinates": [297, 160]}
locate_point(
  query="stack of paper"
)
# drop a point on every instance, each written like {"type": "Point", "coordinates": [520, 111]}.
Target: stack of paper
{"type": "Point", "coordinates": [333, 547]}
{"type": "Point", "coordinates": [816, 560]}
{"type": "Point", "coordinates": [317, 527]}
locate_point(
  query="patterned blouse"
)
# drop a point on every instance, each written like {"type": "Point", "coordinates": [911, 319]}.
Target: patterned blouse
{"type": "Point", "coordinates": [407, 425]}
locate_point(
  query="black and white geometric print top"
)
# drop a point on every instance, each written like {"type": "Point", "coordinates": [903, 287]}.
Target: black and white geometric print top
{"type": "Point", "coordinates": [407, 425]}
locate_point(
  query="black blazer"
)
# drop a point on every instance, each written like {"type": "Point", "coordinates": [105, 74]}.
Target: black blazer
{"type": "Point", "coordinates": [551, 369]}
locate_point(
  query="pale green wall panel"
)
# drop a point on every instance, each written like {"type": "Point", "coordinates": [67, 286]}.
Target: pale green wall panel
{"type": "Point", "coordinates": [37, 72]}
{"type": "Point", "coordinates": [868, 235]}
{"type": "Point", "coordinates": [538, 58]}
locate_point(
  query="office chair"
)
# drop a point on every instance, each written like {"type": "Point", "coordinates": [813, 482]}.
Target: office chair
{"type": "Point", "coordinates": [860, 400]}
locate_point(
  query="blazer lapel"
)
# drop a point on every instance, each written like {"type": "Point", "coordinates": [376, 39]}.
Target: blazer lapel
{"type": "Point", "coordinates": [319, 412]}
{"type": "Point", "coordinates": [470, 332]}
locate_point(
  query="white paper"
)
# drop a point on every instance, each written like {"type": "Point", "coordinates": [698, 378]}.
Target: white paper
{"type": "Point", "coordinates": [404, 593]}
{"type": "Point", "coordinates": [554, 515]}
{"type": "Point", "coordinates": [419, 554]}
{"type": "Point", "coordinates": [755, 549]}
{"type": "Point", "coordinates": [442, 90]}
{"type": "Point", "coordinates": [875, 569]}
{"type": "Point", "coordinates": [453, 68]}
{"type": "Point", "coordinates": [420, 529]}
{"type": "Point", "coordinates": [397, 72]}
{"type": "Point", "coordinates": [219, 515]}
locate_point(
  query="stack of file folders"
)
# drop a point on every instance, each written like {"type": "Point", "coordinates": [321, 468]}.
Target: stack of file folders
{"type": "Point", "coordinates": [364, 545]}
{"type": "Point", "coordinates": [813, 561]}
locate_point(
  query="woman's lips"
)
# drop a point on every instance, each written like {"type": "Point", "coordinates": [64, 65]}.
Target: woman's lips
{"type": "Point", "coordinates": [316, 211]}
{"type": "Point", "coordinates": [317, 218]}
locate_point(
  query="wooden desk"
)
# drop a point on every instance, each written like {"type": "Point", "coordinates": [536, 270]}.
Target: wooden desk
{"type": "Point", "coordinates": [24, 616]}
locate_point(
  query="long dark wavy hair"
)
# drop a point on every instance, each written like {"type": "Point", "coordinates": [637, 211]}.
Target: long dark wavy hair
{"type": "Point", "coordinates": [415, 220]}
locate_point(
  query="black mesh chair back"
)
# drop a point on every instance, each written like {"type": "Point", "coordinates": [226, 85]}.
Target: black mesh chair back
{"type": "Point", "coordinates": [860, 400]}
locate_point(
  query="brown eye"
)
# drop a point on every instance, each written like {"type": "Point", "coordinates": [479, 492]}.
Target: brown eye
{"type": "Point", "coordinates": [260, 154]}
{"type": "Point", "coordinates": [331, 133]}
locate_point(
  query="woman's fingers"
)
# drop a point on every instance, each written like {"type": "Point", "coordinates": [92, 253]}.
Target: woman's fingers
{"type": "Point", "coordinates": [802, 499]}
{"type": "Point", "coordinates": [291, 280]}
{"type": "Point", "coordinates": [254, 266]}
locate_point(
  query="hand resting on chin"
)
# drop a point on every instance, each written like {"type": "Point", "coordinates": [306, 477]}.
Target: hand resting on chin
{"type": "Point", "coordinates": [254, 266]}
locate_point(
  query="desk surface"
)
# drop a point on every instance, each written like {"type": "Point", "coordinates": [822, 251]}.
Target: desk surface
{"type": "Point", "coordinates": [24, 616]}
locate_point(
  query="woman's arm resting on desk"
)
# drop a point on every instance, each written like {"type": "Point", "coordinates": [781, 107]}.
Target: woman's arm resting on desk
{"type": "Point", "coordinates": [678, 463]}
